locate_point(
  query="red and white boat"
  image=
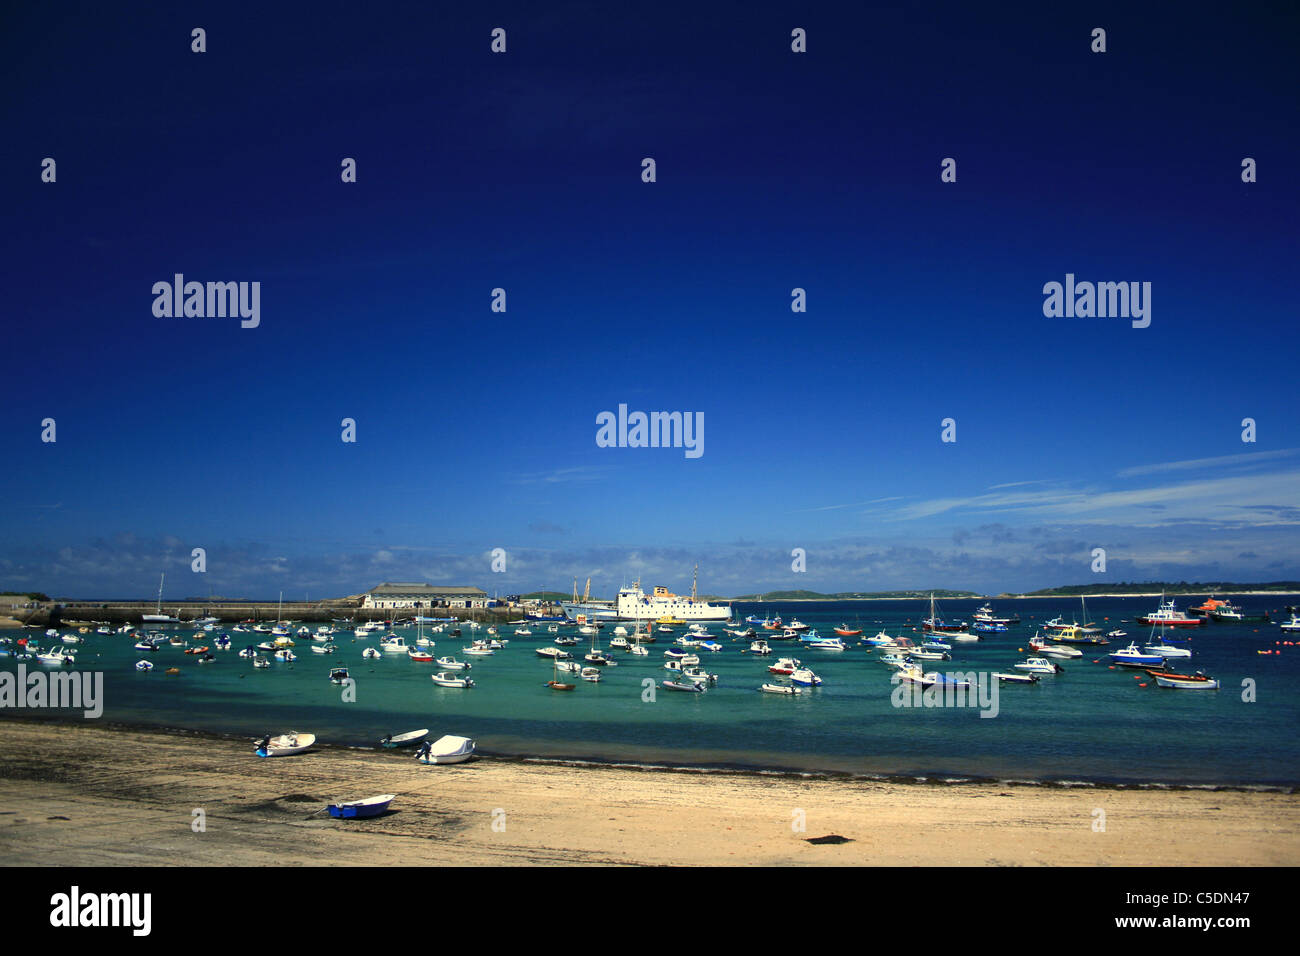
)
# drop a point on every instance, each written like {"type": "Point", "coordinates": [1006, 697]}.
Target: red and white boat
{"type": "Point", "coordinates": [786, 665]}
{"type": "Point", "coordinates": [1167, 616]}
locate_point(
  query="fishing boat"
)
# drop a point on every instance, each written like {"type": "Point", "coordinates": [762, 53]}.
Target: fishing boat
{"type": "Point", "coordinates": [805, 678]}
{"type": "Point", "coordinates": [760, 647]}
{"type": "Point", "coordinates": [1291, 625]}
{"type": "Point", "coordinates": [419, 654]}
{"type": "Point", "coordinates": [446, 750]}
{"type": "Point", "coordinates": [393, 644]}
{"type": "Point", "coordinates": [786, 689]}
{"type": "Point", "coordinates": [392, 741]}
{"type": "Point", "coordinates": [360, 809]}
{"type": "Point", "coordinates": [1197, 681]}
{"type": "Point", "coordinates": [1131, 656]}
{"type": "Point", "coordinates": [880, 640]}
{"type": "Point", "coordinates": [284, 744]}
{"type": "Point", "coordinates": [845, 631]}
{"type": "Point", "coordinates": [1075, 634]}
{"type": "Point", "coordinates": [797, 626]}
{"type": "Point", "coordinates": [1168, 616]}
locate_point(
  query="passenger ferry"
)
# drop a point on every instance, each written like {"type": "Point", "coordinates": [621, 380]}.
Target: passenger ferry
{"type": "Point", "coordinates": [633, 604]}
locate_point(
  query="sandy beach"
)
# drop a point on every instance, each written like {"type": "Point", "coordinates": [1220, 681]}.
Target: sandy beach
{"type": "Point", "coordinates": [92, 795]}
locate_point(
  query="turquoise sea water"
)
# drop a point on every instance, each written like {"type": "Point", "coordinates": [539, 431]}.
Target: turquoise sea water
{"type": "Point", "coordinates": [1091, 723]}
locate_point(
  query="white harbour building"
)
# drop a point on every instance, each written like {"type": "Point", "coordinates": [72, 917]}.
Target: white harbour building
{"type": "Point", "coordinates": [398, 595]}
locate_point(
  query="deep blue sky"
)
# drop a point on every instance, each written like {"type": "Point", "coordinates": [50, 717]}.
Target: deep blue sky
{"type": "Point", "coordinates": [477, 430]}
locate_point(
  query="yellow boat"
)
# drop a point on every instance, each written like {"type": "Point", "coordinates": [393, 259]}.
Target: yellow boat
{"type": "Point", "coordinates": [669, 619]}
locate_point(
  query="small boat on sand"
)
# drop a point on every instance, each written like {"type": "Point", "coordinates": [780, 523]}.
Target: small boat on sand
{"type": "Point", "coordinates": [446, 749]}
{"type": "Point", "coordinates": [404, 740]}
{"type": "Point", "coordinates": [369, 807]}
{"type": "Point", "coordinates": [285, 744]}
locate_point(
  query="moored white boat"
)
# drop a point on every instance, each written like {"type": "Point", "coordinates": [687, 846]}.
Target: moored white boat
{"type": "Point", "coordinates": [444, 679]}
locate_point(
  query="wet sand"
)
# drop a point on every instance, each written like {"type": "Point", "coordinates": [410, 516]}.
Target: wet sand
{"type": "Point", "coordinates": [93, 795]}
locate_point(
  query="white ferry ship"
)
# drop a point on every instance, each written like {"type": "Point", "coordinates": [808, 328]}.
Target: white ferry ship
{"type": "Point", "coordinates": [633, 604]}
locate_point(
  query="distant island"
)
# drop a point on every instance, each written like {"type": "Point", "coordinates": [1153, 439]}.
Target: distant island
{"type": "Point", "coordinates": [1166, 587]}
{"type": "Point", "coordinates": [854, 595]}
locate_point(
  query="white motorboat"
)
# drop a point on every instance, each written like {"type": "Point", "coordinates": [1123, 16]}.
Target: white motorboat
{"type": "Point", "coordinates": [323, 648]}
{"type": "Point", "coordinates": [636, 650]}
{"type": "Point", "coordinates": [760, 647]}
{"type": "Point", "coordinates": [445, 750]}
{"type": "Point", "coordinates": [144, 665]}
{"type": "Point", "coordinates": [787, 689]}
{"type": "Point", "coordinates": [590, 674]}
{"type": "Point", "coordinates": [261, 662]}
{"type": "Point", "coordinates": [826, 644]}
{"type": "Point", "coordinates": [554, 653]}
{"type": "Point", "coordinates": [286, 655]}
{"type": "Point", "coordinates": [693, 672]}
{"type": "Point", "coordinates": [1038, 665]}
{"type": "Point", "coordinates": [451, 664]}
{"type": "Point", "coordinates": [371, 654]}
{"type": "Point", "coordinates": [1016, 678]}
{"type": "Point", "coordinates": [444, 679]}
{"type": "Point", "coordinates": [285, 744]}
{"type": "Point", "coordinates": [805, 678]}
{"type": "Point", "coordinates": [393, 644]}
{"type": "Point", "coordinates": [477, 650]}
{"type": "Point", "coordinates": [786, 666]}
